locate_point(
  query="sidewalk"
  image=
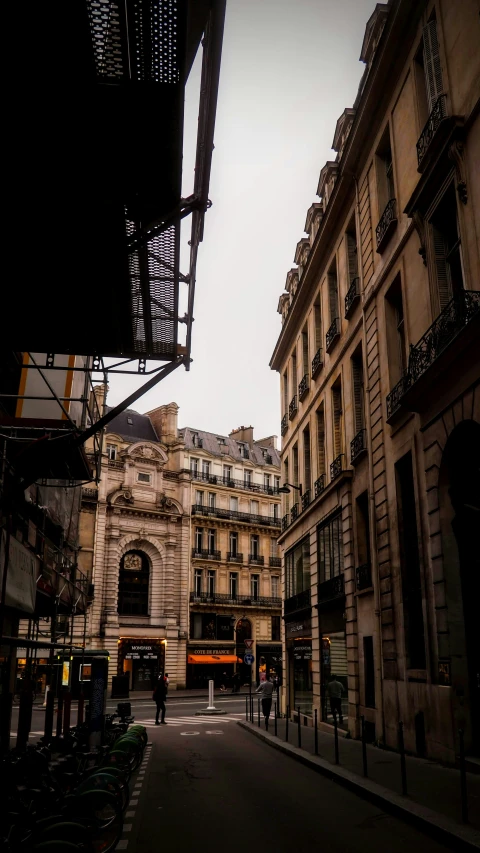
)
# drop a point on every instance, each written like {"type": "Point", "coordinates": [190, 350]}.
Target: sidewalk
{"type": "Point", "coordinates": [433, 789]}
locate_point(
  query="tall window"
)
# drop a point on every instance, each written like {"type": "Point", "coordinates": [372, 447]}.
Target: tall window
{"type": "Point", "coordinates": [320, 441]}
{"type": "Point", "coordinates": [285, 392]}
{"type": "Point", "coordinates": [358, 393]}
{"type": "Point", "coordinates": [255, 586]}
{"type": "Point", "coordinates": [212, 498]}
{"type": "Point", "coordinates": [363, 529]}
{"type": "Point", "coordinates": [233, 504]}
{"type": "Point", "coordinates": [193, 466]}
{"type": "Point", "coordinates": [317, 324]}
{"type": "Point", "coordinates": [305, 354]}
{"type": "Point", "coordinates": [294, 374]}
{"type": "Point", "coordinates": [276, 483]}
{"type": "Point", "coordinates": [275, 585]}
{"type": "Point", "coordinates": [206, 467]}
{"type": "Point", "coordinates": [273, 548]}
{"type": "Point", "coordinates": [396, 343]}
{"type": "Point", "coordinates": [198, 581]}
{"type": "Point", "coordinates": [295, 464]}
{"type": "Point", "coordinates": [227, 473]}
{"type": "Point", "coordinates": [297, 568]}
{"type": "Point", "coordinates": [285, 480]}
{"type": "Point", "coordinates": [247, 478]}
{"type": "Point", "coordinates": [267, 479]}
{"type": "Point", "coordinates": [198, 538]}
{"type": "Point", "coordinates": [432, 64]}
{"type": "Point", "coordinates": [410, 563]}
{"type": "Point", "coordinates": [211, 582]}
{"type": "Point", "coordinates": [307, 465]}
{"type": "Point", "coordinates": [133, 584]}
{"type": "Point", "coordinates": [255, 545]}
{"type": "Point", "coordinates": [337, 409]}
{"type": "Point", "coordinates": [254, 507]}
{"type": "Point", "coordinates": [199, 495]}
{"type": "Point", "coordinates": [330, 549]}
{"type": "Point", "coordinates": [111, 452]}
{"type": "Point", "coordinates": [447, 249]}
{"type": "Point", "coordinates": [276, 628]}
{"type": "Point", "coordinates": [385, 182]}
{"type": "Point", "coordinates": [233, 584]}
{"type": "Point", "coordinates": [351, 245]}
{"type": "Point", "coordinates": [211, 541]}
{"type": "Point", "coordinates": [333, 291]}
{"type": "Point", "coordinates": [233, 543]}
{"type": "Point", "coordinates": [274, 510]}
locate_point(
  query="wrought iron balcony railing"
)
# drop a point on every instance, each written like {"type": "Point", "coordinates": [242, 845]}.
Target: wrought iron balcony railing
{"type": "Point", "coordinates": [332, 335]}
{"type": "Point", "coordinates": [244, 600]}
{"type": "Point", "coordinates": [331, 589]}
{"type": "Point", "coordinates": [300, 601]}
{"type": "Point", "coordinates": [90, 493]}
{"type": "Point", "coordinates": [336, 467]}
{"type": "Point", "coordinates": [206, 554]}
{"type": "Point", "coordinates": [293, 407]}
{"type": "Point", "coordinates": [438, 114]}
{"type": "Point", "coordinates": [305, 499]}
{"type": "Point", "coordinates": [234, 557]}
{"type": "Point", "coordinates": [317, 362]}
{"type": "Point", "coordinates": [396, 394]}
{"type": "Point", "coordinates": [234, 515]}
{"type": "Point", "coordinates": [256, 560]}
{"type": "Point", "coordinates": [387, 224]}
{"type": "Point", "coordinates": [319, 485]}
{"type": "Point", "coordinates": [294, 512]}
{"type": "Point", "coordinates": [284, 424]}
{"type": "Point", "coordinates": [352, 297]}
{"type": "Point", "coordinates": [285, 521]}
{"type": "Point", "coordinates": [358, 446]}
{"type": "Point", "coordinates": [218, 480]}
{"type": "Point", "coordinates": [116, 463]}
{"type": "Point", "coordinates": [303, 387]}
{"type": "Point", "coordinates": [363, 576]}
{"type": "Point", "coordinates": [275, 562]}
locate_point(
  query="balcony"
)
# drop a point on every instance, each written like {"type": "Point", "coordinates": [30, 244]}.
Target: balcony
{"type": "Point", "coordinates": [319, 485]}
{"type": "Point", "coordinates": [293, 407]}
{"type": "Point", "coordinates": [331, 590]}
{"type": "Point", "coordinates": [284, 425]}
{"type": "Point", "coordinates": [116, 463]}
{"type": "Point", "coordinates": [363, 577]}
{"type": "Point", "coordinates": [352, 298]}
{"type": "Point", "coordinates": [255, 560]}
{"type": "Point", "coordinates": [90, 494]}
{"type": "Point", "coordinates": [301, 601]}
{"type": "Point", "coordinates": [305, 499]}
{"type": "Point", "coordinates": [303, 387]}
{"type": "Point", "coordinates": [234, 515]}
{"type": "Point", "coordinates": [317, 362]}
{"type": "Point", "coordinates": [333, 335]}
{"type": "Point", "coordinates": [436, 117]}
{"type": "Point", "coordinates": [358, 446]}
{"type": "Point", "coordinates": [386, 226]}
{"type": "Point", "coordinates": [218, 480]}
{"type": "Point", "coordinates": [336, 467]}
{"type": "Point", "coordinates": [453, 330]}
{"type": "Point", "coordinates": [234, 557]}
{"type": "Point", "coordinates": [243, 600]}
{"type": "Point", "coordinates": [294, 512]}
{"type": "Point", "coordinates": [275, 562]}
{"type": "Point", "coordinates": [285, 521]}
{"type": "Point", "coordinates": [205, 554]}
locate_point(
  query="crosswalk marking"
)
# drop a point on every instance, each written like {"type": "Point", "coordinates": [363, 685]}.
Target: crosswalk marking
{"type": "Point", "coordinates": [192, 721]}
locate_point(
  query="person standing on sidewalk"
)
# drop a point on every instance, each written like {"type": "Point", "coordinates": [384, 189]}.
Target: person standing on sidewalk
{"type": "Point", "coordinates": [265, 690]}
{"type": "Point", "coordinates": [334, 692]}
{"type": "Point", "coordinates": [160, 696]}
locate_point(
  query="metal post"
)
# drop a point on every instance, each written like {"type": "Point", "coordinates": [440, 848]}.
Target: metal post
{"type": "Point", "coordinates": [211, 706]}
{"type": "Point", "coordinates": [258, 712]}
{"type": "Point", "coordinates": [275, 718]}
{"type": "Point", "coordinates": [299, 728]}
{"type": "Point", "coordinates": [286, 723]}
{"type": "Point", "coordinates": [246, 708]}
{"type": "Point", "coordinates": [316, 732]}
{"type": "Point", "coordinates": [335, 732]}
{"type": "Point", "coordinates": [251, 708]}
{"type": "Point", "coordinates": [403, 764]}
{"type": "Point", "coordinates": [463, 776]}
{"type": "Point", "coordinates": [364, 746]}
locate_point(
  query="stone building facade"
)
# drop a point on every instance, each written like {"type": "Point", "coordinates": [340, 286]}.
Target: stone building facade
{"type": "Point", "coordinates": [380, 368]}
{"type": "Point", "coordinates": [235, 568]}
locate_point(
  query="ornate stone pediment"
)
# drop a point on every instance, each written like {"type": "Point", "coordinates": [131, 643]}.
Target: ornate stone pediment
{"type": "Point", "coordinates": [146, 452]}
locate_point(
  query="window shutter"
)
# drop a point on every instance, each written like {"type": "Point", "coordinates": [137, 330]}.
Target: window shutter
{"type": "Point", "coordinates": [333, 295]}
{"type": "Point", "coordinates": [352, 257]}
{"type": "Point", "coordinates": [358, 393]}
{"type": "Point", "coordinates": [318, 327]}
{"type": "Point", "coordinates": [441, 266]}
{"type": "Point", "coordinates": [431, 61]}
{"type": "Point", "coordinates": [321, 442]}
{"type": "Point", "coordinates": [337, 420]}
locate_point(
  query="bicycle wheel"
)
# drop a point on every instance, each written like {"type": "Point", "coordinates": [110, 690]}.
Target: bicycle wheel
{"type": "Point", "coordinates": [132, 748]}
{"type": "Point", "coordinates": [120, 759]}
{"type": "Point", "coordinates": [104, 816]}
{"type": "Point", "coordinates": [64, 831]}
{"type": "Point", "coordinates": [103, 781]}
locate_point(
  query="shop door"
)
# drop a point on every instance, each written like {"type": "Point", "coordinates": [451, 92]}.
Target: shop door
{"type": "Point", "coordinates": [143, 674]}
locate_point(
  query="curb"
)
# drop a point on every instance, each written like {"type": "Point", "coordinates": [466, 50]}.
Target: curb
{"type": "Point", "coordinates": [437, 826]}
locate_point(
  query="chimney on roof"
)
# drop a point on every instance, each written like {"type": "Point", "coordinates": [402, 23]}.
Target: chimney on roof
{"type": "Point", "coordinates": [242, 434]}
{"type": "Point", "coordinates": [164, 420]}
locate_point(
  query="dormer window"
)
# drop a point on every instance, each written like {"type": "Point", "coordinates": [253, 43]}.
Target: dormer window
{"type": "Point", "coordinates": [111, 452]}
{"type": "Point", "coordinates": [130, 420]}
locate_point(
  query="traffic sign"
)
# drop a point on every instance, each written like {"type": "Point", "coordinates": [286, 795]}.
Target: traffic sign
{"type": "Point", "coordinates": [248, 659]}
{"type": "Point", "coordinates": [248, 643]}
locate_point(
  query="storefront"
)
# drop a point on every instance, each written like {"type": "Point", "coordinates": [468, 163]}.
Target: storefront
{"type": "Point", "coordinates": [299, 670]}
{"type": "Point", "coordinates": [268, 660]}
{"type": "Point", "coordinates": [210, 663]}
{"type": "Point", "coordinates": [142, 659]}
{"type": "Point", "coordinates": [333, 658]}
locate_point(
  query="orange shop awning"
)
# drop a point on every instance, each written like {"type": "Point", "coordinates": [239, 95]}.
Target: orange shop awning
{"type": "Point", "coordinates": [213, 659]}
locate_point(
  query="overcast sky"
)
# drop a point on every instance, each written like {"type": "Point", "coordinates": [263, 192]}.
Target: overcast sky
{"type": "Point", "coordinates": [289, 69]}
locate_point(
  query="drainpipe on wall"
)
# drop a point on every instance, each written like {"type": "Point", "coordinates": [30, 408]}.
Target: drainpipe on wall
{"type": "Point", "coordinates": [380, 736]}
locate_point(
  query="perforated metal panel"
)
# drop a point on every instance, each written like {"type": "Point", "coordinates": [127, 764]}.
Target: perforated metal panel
{"type": "Point", "coordinates": [106, 32]}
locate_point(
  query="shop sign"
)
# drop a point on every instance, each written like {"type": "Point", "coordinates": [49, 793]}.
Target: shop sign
{"type": "Point", "coordinates": [22, 573]}
{"type": "Point", "coordinates": [299, 629]}
{"type": "Point", "coordinates": [212, 651]}
{"type": "Point", "coordinates": [303, 652]}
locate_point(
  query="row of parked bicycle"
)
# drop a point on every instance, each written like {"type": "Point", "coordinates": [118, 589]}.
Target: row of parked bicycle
{"type": "Point", "coordinates": [60, 796]}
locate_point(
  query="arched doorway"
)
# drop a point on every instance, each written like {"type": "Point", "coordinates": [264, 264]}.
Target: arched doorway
{"type": "Point", "coordinates": [133, 584]}
{"type": "Point", "coordinates": [459, 490]}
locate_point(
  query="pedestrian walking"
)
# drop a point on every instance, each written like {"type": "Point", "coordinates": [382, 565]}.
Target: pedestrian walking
{"type": "Point", "coordinates": [265, 689]}
{"type": "Point", "coordinates": [159, 697]}
{"type": "Point", "coordinates": [236, 682]}
{"type": "Point", "coordinates": [334, 692]}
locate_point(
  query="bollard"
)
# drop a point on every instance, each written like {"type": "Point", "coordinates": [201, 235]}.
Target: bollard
{"type": "Point", "coordinates": [364, 746]}
{"type": "Point", "coordinates": [316, 733]}
{"type": "Point", "coordinates": [463, 777]}
{"type": "Point", "coordinates": [49, 714]}
{"type": "Point", "coordinates": [67, 706]}
{"type": "Point", "coordinates": [258, 711]}
{"type": "Point", "coordinates": [275, 718]}
{"type": "Point", "coordinates": [81, 703]}
{"type": "Point", "coordinates": [403, 765]}
{"type": "Point", "coordinates": [246, 709]}
{"type": "Point", "coordinates": [299, 728]}
{"type": "Point", "coordinates": [59, 715]}
{"type": "Point", "coordinates": [335, 732]}
{"type": "Point", "coordinates": [286, 723]}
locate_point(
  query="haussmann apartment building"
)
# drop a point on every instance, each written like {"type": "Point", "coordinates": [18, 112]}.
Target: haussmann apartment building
{"type": "Point", "coordinates": [379, 362]}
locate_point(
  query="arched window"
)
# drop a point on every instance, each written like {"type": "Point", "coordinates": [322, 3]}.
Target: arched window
{"type": "Point", "coordinates": [133, 584]}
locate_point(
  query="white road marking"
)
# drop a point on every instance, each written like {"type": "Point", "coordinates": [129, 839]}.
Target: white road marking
{"type": "Point", "coordinates": [127, 827]}
{"type": "Point", "coordinates": [130, 814]}
{"type": "Point", "coordinates": [188, 734]}
{"type": "Point", "coordinates": [214, 733]}
{"type": "Point", "coordinates": [133, 802]}
{"type": "Point", "coordinates": [122, 845]}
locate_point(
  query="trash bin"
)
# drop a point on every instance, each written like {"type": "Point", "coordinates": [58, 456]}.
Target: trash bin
{"type": "Point", "coordinates": [120, 687]}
